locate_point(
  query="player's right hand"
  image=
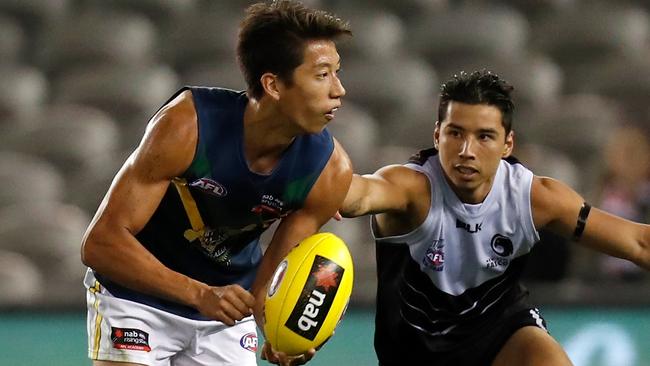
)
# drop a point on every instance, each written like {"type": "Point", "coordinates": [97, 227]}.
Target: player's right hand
{"type": "Point", "coordinates": [226, 304]}
{"type": "Point", "coordinates": [279, 358]}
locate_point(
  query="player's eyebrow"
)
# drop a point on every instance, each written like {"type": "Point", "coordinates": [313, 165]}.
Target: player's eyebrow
{"type": "Point", "coordinates": [328, 65]}
{"type": "Point", "coordinates": [490, 131]}
{"type": "Point", "coordinates": [454, 126]}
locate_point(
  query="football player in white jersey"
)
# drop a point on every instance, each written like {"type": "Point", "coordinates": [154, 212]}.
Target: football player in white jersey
{"type": "Point", "coordinates": [449, 289]}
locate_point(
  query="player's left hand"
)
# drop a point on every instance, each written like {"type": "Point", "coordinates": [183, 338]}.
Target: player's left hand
{"type": "Point", "coordinates": [282, 359]}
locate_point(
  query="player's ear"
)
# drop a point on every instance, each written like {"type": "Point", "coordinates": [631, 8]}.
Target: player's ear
{"type": "Point", "coordinates": [436, 135]}
{"type": "Point", "coordinates": [509, 145]}
{"type": "Point", "coordinates": [270, 84]}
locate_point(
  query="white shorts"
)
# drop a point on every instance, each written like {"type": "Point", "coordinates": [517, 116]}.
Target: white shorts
{"type": "Point", "coordinates": [126, 331]}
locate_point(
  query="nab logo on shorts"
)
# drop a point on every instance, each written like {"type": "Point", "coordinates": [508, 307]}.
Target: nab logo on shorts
{"type": "Point", "coordinates": [130, 338]}
{"type": "Point", "coordinates": [209, 186]}
{"type": "Point", "coordinates": [316, 298]}
{"type": "Point", "coordinates": [249, 342]}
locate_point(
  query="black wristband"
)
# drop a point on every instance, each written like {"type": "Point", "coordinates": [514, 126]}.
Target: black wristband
{"type": "Point", "coordinates": [582, 221]}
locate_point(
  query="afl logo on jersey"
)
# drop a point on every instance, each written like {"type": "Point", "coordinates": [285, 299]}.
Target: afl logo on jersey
{"type": "Point", "coordinates": [209, 186]}
{"type": "Point", "coordinates": [434, 257]}
{"type": "Point", "coordinates": [502, 245]}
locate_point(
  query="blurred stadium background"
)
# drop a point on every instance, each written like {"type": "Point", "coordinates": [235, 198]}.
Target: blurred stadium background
{"type": "Point", "coordinates": [81, 78]}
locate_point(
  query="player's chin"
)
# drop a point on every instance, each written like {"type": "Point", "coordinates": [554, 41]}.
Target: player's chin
{"type": "Point", "coordinates": [316, 126]}
{"type": "Point", "coordinates": [466, 184]}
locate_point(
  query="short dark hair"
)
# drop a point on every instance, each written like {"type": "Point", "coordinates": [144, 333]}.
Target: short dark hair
{"type": "Point", "coordinates": [273, 37]}
{"type": "Point", "coordinates": [479, 87]}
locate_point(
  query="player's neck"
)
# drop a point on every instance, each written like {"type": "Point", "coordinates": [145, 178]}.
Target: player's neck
{"type": "Point", "coordinates": [266, 136]}
{"type": "Point", "coordinates": [472, 196]}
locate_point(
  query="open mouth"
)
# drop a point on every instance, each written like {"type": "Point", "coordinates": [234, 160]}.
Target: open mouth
{"type": "Point", "coordinates": [330, 115]}
{"type": "Point", "coordinates": [466, 171]}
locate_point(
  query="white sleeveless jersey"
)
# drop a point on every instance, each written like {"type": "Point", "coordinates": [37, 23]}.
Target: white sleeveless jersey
{"type": "Point", "coordinates": [462, 264]}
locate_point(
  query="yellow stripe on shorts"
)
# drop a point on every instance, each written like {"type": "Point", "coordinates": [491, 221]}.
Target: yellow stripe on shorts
{"type": "Point", "coordinates": [98, 321]}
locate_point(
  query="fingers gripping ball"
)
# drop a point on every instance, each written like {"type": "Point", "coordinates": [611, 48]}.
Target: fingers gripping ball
{"type": "Point", "coordinates": [308, 294]}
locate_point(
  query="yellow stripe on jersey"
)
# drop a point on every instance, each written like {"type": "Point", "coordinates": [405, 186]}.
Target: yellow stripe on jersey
{"type": "Point", "coordinates": [98, 321]}
{"type": "Point", "coordinates": [192, 211]}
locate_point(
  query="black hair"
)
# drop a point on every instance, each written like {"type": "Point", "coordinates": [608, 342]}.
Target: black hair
{"type": "Point", "coordinates": [273, 37]}
{"type": "Point", "coordinates": [479, 87]}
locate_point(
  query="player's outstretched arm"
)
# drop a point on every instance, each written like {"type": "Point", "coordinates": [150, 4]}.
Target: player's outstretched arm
{"type": "Point", "coordinates": [109, 245]}
{"type": "Point", "coordinates": [391, 189]}
{"type": "Point", "coordinates": [558, 207]}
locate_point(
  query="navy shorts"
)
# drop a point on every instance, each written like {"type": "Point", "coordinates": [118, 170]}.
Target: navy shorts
{"type": "Point", "coordinates": [480, 348]}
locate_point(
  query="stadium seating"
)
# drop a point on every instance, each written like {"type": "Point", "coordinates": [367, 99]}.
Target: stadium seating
{"type": "Point", "coordinates": [28, 179]}
{"type": "Point", "coordinates": [468, 32]}
{"type": "Point", "coordinates": [74, 139]}
{"type": "Point", "coordinates": [97, 38]}
{"type": "Point", "coordinates": [131, 95]}
{"type": "Point", "coordinates": [24, 91]}
{"type": "Point", "coordinates": [358, 131]}
{"type": "Point", "coordinates": [81, 78]}
{"type": "Point", "coordinates": [224, 73]}
{"type": "Point", "coordinates": [164, 13]}
{"type": "Point", "coordinates": [12, 42]}
{"type": "Point", "coordinates": [592, 32]}
{"type": "Point", "coordinates": [48, 233]}
{"type": "Point", "coordinates": [21, 281]}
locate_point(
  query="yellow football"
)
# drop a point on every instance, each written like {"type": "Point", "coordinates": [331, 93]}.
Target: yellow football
{"type": "Point", "coordinates": [308, 294]}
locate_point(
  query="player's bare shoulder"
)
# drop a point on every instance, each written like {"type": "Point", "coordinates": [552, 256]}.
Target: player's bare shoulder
{"type": "Point", "coordinates": [413, 183]}
{"type": "Point", "coordinates": [408, 201]}
{"type": "Point", "coordinates": [551, 201]}
{"type": "Point", "coordinates": [340, 162]}
{"type": "Point", "coordinates": [176, 119]}
{"type": "Point", "coordinates": [171, 135]}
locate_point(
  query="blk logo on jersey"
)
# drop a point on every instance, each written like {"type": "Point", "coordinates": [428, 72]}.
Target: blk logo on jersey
{"type": "Point", "coordinates": [434, 257]}
{"type": "Point", "coordinates": [467, 227]}
{"type": "Point", "coordinates": [249, 342]}
{"type": "Point", "coordinates": [316, 298]}
{"type": "Point", "coordinates": [209, 186]}
{"type": "Point", "coordinates": [130, 338]}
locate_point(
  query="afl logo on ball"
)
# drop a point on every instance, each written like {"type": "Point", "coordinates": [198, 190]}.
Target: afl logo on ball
{"type": "Point", "coordinates": [502, 245]}
{"type": "Point", "coordinates": [277, 278]}
{"type": "Point", "coordinates": [249, 342]}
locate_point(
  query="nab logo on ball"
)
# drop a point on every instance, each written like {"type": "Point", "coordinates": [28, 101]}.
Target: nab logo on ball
{"type": "Point", "coordinates": [316, 298]}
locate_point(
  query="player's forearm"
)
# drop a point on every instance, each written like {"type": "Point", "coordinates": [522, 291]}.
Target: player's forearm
{"type": "Point", "coordinates": [642, 258]}
{"type": "Point", "coordinates": [356, 202]}
{"type": "Point", "coordinates": [120, 257]}
{"type": "Point", "coordinates": [353, 209]}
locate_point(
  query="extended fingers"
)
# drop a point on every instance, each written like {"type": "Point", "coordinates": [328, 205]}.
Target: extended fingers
{"type": "Point", "coordinates": [269, 355]}
{"type": "Point", "coordinates": [232, 303]}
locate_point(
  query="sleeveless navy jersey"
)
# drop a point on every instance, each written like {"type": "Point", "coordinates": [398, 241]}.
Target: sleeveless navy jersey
{"type": "Point", "coordinates": [209, 222]}
{"type": "Point", "coordinates": [451, 278]}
